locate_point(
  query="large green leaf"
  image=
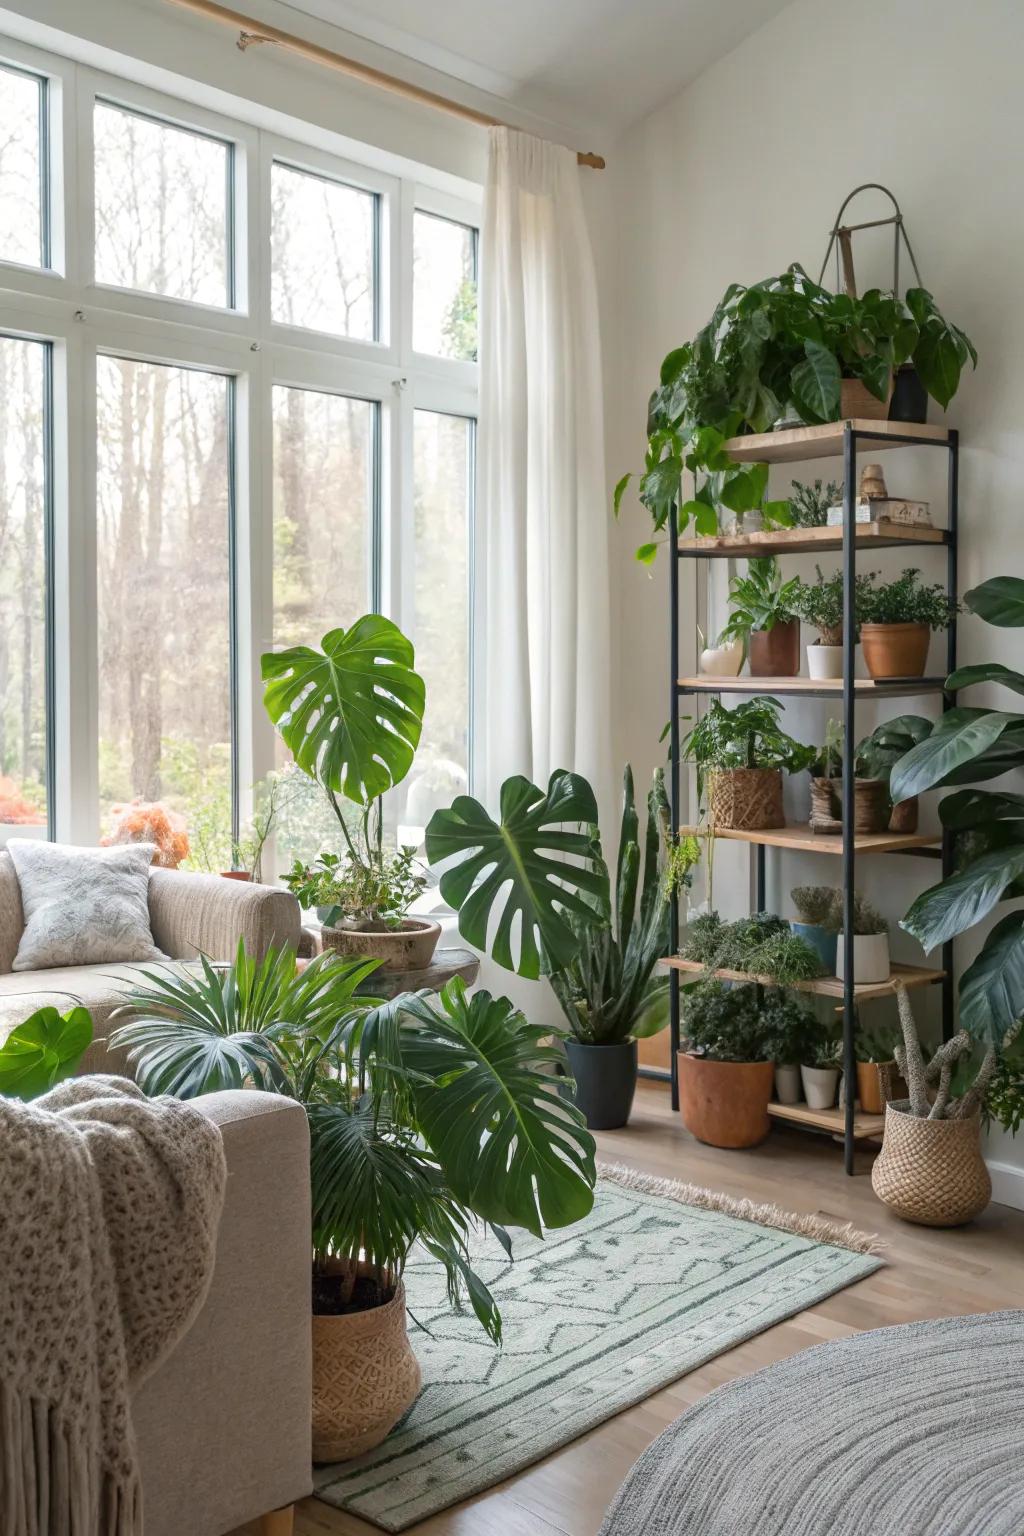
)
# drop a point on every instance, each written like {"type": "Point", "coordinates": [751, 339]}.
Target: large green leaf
{"type": "Point", "coordinates": [986, 672]}
{"type": "Point", "coordinates": [945, 910]}
{"type": "Point", "coordinates": [1000, 601]}
{"type": "Point", "coordinates": [938, 360]}
{"type": "Point", "coordinates": [531, 853]}
{"type": "Point", "coordinates": [960, 738]}
{"type": "Point", "coordinates": [970, 808]}
{"type": "Point", "coordinates": [815, 383]}
{"type": "Point", "coordinates": [992, 987]}
{"type": "Point", "coordinates": [350, 713]}
{"type": "Point", "coordinates": [511, 1147]}
{"type": "Point", "coordinates": [43, 1051]}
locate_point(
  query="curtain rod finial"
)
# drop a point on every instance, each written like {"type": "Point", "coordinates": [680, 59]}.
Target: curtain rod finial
{"type": "Point", "coordinates": [587, 157]}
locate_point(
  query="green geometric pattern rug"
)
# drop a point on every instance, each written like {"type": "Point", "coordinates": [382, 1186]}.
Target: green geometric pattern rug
{"type": "Point", "coordinates": [657, 1280]}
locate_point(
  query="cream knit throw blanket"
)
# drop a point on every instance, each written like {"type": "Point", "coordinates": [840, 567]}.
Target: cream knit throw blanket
{"type": "Point", "coordinates": [109, 1207]}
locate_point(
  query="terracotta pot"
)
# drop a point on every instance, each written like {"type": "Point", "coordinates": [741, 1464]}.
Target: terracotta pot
{"type": "Point", "coordinates": [857, 401]}
{"type": "Point", "coordinates": [931, 1171]}
{"type": "Point", "coordinates": [869, 1086]}
{"type": "Point", "coordinates": [776, 652]}
{"type": "Point", "coordinates": [408, 948]}
{"type": "Point", "coordinates": [725, 1103]}
{"type": "Point", "coordinates": [365, 1376]}
{"type": "Point", "coordinates": [235, 874]}
{"type": "Point", "coordinates": [903, 817]}
{"type": "Point", "coordinates": [746, 799]}
{"type": "Point", "coordinates": [895, 650]}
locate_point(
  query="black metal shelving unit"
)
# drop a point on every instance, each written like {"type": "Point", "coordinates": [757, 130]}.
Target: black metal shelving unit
{"type": "Point", "coordinates": [798, 446]}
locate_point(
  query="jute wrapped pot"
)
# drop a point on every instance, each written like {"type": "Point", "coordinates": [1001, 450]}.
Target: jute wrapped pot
{"type": "Point", "coordinates": [931, 1171]}
{"type": "Point", "coordinates": [365, 1376]}
{"type": "Point", "coordinates": [746, 799]}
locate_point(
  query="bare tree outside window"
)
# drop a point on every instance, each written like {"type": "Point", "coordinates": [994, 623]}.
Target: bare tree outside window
{"type": "Point", "coordinates": [163, 599]}
{"type": "Point", "coordinates": [322, 237]}
{"type": "Point", "coordinates": [21, 209]}
{"type": "Point", "coordinates": [444, 317]}
{"type": "Point", "coordinates": [161, 208]}
{"type": "Point", "coordinates": [23, 461]}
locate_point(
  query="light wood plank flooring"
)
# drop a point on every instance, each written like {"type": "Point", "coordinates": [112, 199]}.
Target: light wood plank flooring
{"type": "Point", "coordinates": [929, 1274]}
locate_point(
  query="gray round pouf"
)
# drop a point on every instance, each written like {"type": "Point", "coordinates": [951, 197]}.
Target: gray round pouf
{"type": "Point", "coordinates": [913, 1430]}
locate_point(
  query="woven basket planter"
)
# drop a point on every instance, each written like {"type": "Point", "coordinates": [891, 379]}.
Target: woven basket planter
{"type": "Point", "coordinates": [746, 799]}
{"type": "Point", "coordinates": [931, 1171]}
{"type": "Point", "coordinates": [904, 816]}
{"type": "Point", "coordinates": [870, 805]}
{"type": "Point", "coordinates": [365, 1376]}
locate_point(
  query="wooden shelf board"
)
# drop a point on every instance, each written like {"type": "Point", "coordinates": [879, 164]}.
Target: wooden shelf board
{"type": "Point", "coordinates": [824, 442]}
{"type": "Point", "coordinates": [795, 541]}
{"type": "Point", "coordinates": [822, 986]}
{"type": "Point", "coordinates": [832, 1120]}
{"type": "Point", "coordinates": [798, 835]}
{"type": "Point", "coordinates": [863, 687]}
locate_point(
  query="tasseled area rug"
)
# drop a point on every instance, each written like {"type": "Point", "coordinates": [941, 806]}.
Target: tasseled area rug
{"type": "Point", "coordinates": [914, 1429]}
{"type": "Point", "coordinates": [657, 1280]}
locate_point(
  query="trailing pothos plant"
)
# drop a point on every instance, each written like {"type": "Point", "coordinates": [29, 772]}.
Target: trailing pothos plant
{"type": "Point", "coordinates": [967, 746]}
{"type": "Point", "coordinates": [777, 349]}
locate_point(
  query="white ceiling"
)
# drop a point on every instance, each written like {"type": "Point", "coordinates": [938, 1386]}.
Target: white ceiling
{"type": "Point", "coordinates": [594, 64]}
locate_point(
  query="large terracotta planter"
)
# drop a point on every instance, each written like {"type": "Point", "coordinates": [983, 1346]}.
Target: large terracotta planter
{"type": "Point", "coordinates": [776, 652]}
{"type": "Point", "coordinates": [725, 1103]}
{"type": "Point", "coordinates": [605, 1078]}
{"type": "Point", "coordinates": [408, 948]}
{"type": "Point", "coordinates": [746, 799]}
{"type": "Point", "coordinates": [365, 1376]}
{"type": "Point", "coordinates": [931, 1171]}
{"type": "Point", "coordinates": [894, 650]}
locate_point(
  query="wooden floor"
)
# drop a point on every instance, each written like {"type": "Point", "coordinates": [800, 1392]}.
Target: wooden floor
{"type": "Point", "coordinates": [929, 1274]}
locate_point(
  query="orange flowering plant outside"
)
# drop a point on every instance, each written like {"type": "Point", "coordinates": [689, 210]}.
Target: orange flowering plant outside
{"type": "Point", "coordinates": [150, 821]}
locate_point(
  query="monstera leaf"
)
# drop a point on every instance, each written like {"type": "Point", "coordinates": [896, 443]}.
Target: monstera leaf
{"type": "Point", "coordinates": [530, 853]}
{"type": "Point", "coordinates": [43, 1051]}
{"type": "Point", "coordinates": [351, 713]}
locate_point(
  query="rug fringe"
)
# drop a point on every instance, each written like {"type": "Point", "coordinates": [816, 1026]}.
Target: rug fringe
{"type": "Point", "coordinates": [818, 1228]}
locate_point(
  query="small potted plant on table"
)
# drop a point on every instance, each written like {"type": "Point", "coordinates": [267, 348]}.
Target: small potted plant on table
{"type": "Point", "coordinates": [363, 901]}
{"type": "Point", "coordinates": [820, 604]}
{"type": "Point", "coordinates": [821, 914]}
{"type": "Point", "coordinates": [791, 1028]}
{"type": "Point", "coordinates": [879, 753]}
{"type": "Point", "coordinates": [761, 945]}
{"type": "Point", "coordinates": [895, 623]}
{"type": "Point", "coordinates": [876, 1050]}
{"type": "Point", "coordinates": [871, 963]}
{"type": "Point", "coordinates": [740, 755]}
{"type": "Point", "coordinates": [820, 1071]}
{"type": "Point", "coordinates": [764, 617]}
{"type": "Point", "coordinates": [725, 1068]}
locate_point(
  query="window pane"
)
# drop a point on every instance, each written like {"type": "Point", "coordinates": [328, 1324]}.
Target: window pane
{"type": "Point", "coordinates": [444, 288]}
{"type": "Point", "coordinates": [21, 202]}
{"type": "Point", "coordinates": [322, 238]}
{"type": "Point", "coordinates": [162, 222]}
{"type": "Point", "coordinates": [443, 500]}
{"type": "Point", "coordinates": [163, 519]}
{"type": "Point", "coordinates": [23, 469]}
{"type": "Point", "coordinates": [324, 475]}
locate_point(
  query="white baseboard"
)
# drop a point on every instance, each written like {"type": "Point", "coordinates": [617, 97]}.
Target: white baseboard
{"type": "Point", "coordinates": [1007, 1184]}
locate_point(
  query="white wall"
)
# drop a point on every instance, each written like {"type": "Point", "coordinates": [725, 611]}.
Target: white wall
{"type": "Point", "coordinates": [741, 174]}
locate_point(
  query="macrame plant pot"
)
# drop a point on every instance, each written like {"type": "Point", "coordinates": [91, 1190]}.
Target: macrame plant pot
{"type": "Point", "coordinates": [746, 799]}
{"type": "Point", "coordinates": [931, 1171]}
{"type": "Point", "coordinates": [365, 1376]}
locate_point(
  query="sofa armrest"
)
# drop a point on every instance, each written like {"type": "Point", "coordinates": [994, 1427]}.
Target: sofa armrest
{"type": "Point", "coordinates": [193, 914]}
{"type": "Point", "coordinates": [224, 1425]}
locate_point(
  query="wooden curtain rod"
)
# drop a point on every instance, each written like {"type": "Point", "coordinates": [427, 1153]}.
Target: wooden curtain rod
{"type": "Point", "coordinates": [252, 32]}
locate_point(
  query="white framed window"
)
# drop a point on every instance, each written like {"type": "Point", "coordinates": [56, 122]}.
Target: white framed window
{"type": "Point", "coordinates": [258, 421]}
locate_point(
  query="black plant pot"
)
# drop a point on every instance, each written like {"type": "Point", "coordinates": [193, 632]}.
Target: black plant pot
{"type": "Point", "coordinates": [909, 397]}
{"type": "Point", "coordinates": [605, 1081]}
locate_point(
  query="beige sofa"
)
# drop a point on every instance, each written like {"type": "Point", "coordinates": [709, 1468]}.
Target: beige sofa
{"type": "Point", "coordinates": [224, 1425]}
{"type": "Point", "coordinates": [189, 915]}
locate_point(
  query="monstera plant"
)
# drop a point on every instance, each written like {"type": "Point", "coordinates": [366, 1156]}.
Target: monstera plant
{"type": "Point", "coordinates": [971, 745]}
{"type": "Point", "coordinates": [43, 1050]}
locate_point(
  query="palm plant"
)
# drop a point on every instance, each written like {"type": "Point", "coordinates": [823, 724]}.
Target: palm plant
{"type": "Point", "coordinates": [422, 1118]}
{"type": "Point", "coordinates": [609, 992]}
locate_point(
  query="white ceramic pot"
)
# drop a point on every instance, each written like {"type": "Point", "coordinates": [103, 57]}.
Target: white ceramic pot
{"type": "Point", "coordinates": [722, 660]}
{"type": "Point", "coordinates": [788, 1088]}
{"type": "Point", "coordinates": [824, 660]}
{"type": "Point", "coordinates": [870, 958]}
{"type": "Point", "coordinates": [820, 1085]}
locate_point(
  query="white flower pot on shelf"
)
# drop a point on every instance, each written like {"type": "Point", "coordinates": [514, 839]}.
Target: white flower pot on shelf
{"type": "Point", "coordinates": [870, 958]}
{"type": "Point", "coordinates": [722, 660]}
{"type": "Point", "coordinates": [788, 1088]}
{"type": "Point", "coordinates": [820, 1085]}
{"type": "Point", "coordinates": [824, 661]}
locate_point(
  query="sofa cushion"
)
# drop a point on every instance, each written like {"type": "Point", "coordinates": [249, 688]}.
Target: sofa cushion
{"type": "Point", "coordinates": [82, 905]}
{"type": "Point", "coordinates": [100, 988]}
{"type": "Point", "coordinates": [12, 922]}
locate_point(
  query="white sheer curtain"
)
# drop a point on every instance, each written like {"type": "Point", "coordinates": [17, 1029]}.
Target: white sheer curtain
{"type": "Point", "coordinates": [544, 504]}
